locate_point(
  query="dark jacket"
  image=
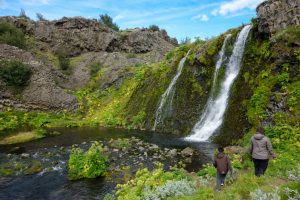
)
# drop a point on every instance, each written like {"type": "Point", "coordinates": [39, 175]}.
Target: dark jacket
{"type": "Point", "coordinates": [222, 163]}
{"type": "Point", "coordinates": [261, 147]}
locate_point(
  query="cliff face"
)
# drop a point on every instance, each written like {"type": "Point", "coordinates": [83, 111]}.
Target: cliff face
{"type": "Point", "coordinates": [85, 42]}
{"type": "Point", "coordinates": [42, 93]}
{"type": "Point", "coordinates": [275, 15]}
{"type": "Point", "coordinates": [79, 35]}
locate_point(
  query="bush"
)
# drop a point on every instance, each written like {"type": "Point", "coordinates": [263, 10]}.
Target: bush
{"type": "Point", "coordinates": [157, 183]}
{"type": "Point", "coordinates": [63, 59]}
{"type": "Point", "coordinates": [108, 21]}
{"type": "Point", "coordinates": [154, 28]}
{"type": "Point", "coordinates": [94, 69]}
{"type": "Point", "coordinates": [40, 17]}
{"type": "Point", "coordinates": [11, 35]}
{"type": "Point", "coordinates": [89, 164]}
{"type": "Point", "coordinates": [15, 73]}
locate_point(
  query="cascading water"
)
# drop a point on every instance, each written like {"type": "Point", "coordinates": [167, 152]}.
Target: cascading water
{"type": "Point", "coordinates": [212, 117]}
{"type": "Point", "coordinates": [168, 95]}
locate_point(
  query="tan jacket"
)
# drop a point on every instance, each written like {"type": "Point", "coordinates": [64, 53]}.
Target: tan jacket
{"type": "Point", "coordinates": [261, 147]}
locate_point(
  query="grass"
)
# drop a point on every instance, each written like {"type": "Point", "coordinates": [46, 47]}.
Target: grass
{"type": "Point", "coordinates": [21, 137]}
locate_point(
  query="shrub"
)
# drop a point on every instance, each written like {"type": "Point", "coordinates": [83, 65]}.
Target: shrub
{"type": "Point", "coordinates": [154, 28]}
{"type": "Point", "coordinates": [40, 17]}
{"type": "Point", "coordinates": [94, 69]}
{"type": "Point", "coordinates": [171, 189]}
{"type": "Point", "coordinates": [108, 21]}
{"type": "Point", "coordinates": [258, 194]}
{"type": "Point", "coordinates": [15, 73]}
{"type": "Point", "coordinates": [89, 164]}
{"type": "Point", "coordinates": [63, 59]}
{"type": "Point", "coordinates": [208, 169]}
{"type": "Point", "coordinates": [23, 14]}
{"type": "Point", "coordinates": [158, 182]}
{"type": "Point", "coordinates": [11, 35]}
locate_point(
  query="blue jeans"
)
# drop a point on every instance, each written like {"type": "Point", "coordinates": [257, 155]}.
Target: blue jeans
{"type": "Point", "coordinates": [220, 180]}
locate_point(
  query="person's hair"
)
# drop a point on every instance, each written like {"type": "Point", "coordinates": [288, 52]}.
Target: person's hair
{"type": "Point", "coordinates": [260, 130]}
{"type": "Point", "coordinates": [221, 149]}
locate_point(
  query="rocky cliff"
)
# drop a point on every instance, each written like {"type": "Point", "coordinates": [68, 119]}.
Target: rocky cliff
{"type": "Point", "coordinates": [275, 15]}
{"type": "Point", "coordinates": [85, 42]}
{"type": "Point", "coordinates": [79, 35]}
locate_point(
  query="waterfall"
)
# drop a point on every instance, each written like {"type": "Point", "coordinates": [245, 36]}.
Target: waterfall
{"type": "Point", "coordinates": [168, 95]}
{"type": "Point", "coordinates": [212, 117]}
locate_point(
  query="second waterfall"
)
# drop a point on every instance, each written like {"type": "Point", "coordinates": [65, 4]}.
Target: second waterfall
{"type": "Point", "coordinates": [212, 117]}
{"type": "Point", "coordinates": [166, 100]}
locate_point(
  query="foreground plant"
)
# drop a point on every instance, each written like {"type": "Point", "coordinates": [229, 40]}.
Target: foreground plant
{"type": "Point", "coordinates": [90, 164]}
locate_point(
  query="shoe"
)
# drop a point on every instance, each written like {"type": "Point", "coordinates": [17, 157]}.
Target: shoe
{"type": "Point", "coordinates": [222, 184]}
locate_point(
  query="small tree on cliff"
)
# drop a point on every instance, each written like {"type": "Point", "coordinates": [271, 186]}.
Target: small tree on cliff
{"type": "Point", "coordinates": [108, 21]}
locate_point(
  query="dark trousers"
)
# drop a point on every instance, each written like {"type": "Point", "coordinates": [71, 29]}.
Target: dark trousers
{"type": "Point", "coordinates": [260, 166]}
{"type": "Point", "coordinates": [220, 180]}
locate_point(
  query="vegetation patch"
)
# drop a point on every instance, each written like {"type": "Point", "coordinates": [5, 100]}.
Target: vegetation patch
{"type": "Point", "coordinates": [90, 164]}
{"type": "Point", "coordinates": [11, 35]}
{"type": "Point", "coordinates": [15, 73]}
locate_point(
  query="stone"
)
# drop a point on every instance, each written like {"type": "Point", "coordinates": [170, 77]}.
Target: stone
{"type": "Point", "coordinates": [275, 15]}
{"type": "Point", "coordinates": [188, 160]}
{"type": "Point", "coordinates": [172, 153]}
{"type": "Point", "coordinates": [25, 155]}
{"type": "Point", "coordinates": [142, 149]}
{"type": "Point", "coordinates": [187, 152]}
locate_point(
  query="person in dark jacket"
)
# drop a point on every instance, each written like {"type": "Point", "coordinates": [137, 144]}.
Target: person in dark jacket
{"type": "Point", "coordinates": [260, 150]}
{"type": "Point", "coordinates": [223, 165]}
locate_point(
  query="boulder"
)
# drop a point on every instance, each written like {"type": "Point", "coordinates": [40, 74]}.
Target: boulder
{"type": "Point", "coordinates": [187, 152]}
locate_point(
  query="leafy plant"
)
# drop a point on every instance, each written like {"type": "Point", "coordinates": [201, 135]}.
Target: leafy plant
{"type": "Point", "coordinates": [9, 34]}
{"type": "Point", "coordinates": [94, 69]}
{"type": "Point", "coordinates": [89, 164]}
{"type": "Point", "coordinates": [63, 59]}
{"type": "Point", "coordinates": [154, 28]}
{"type": "Point", "coordinates": [15, 73]}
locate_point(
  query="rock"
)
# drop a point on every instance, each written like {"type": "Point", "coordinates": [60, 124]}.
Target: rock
{"type": "Point", "coordinates": [54, 133]}
{"type": "Point", "coordinates": [154, 147]}
{"type": "Point", "coordinates": [115, 150]}
{"type": "Point", "coordinates": [42, 93]}
{"type": "Point", "coordinates": [188, 160]}
{"type": "Point", "coordinates": [275, 15]}
{"type": "Point", "coordinates": [25, 155]}
{"type": "Point", "coordinates": [142, 149]}
{"type": "Point", "coordinates": [172, 153]}
{"type": "Point", "coordinates": [187, 152]}
{"type": "Point", "coordinates": [235, 150]}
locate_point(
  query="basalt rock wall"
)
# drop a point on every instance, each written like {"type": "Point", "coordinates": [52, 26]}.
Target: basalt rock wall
{"type": "Point", "coordinates": [275, 15]}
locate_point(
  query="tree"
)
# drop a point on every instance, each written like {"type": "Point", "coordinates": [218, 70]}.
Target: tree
{"type": "Point", "coordinates": [40, 17]}
{"type": "Point", "coordinates": [154, 28]}
{"type": "Point", "coordinates": [108, 21]}
{"type": "Point", "coordinates": [23, 14]}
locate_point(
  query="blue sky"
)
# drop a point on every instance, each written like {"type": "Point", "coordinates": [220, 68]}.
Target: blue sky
{"type": "Point", "coordinates": [181, 18]}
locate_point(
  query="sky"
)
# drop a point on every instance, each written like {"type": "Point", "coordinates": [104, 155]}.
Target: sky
{"type": "Point", "coordinates": [181, 18]}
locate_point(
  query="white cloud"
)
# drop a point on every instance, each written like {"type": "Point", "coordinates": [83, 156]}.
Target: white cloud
{"type": "Point", "coordinates": [203, 18]}
{"type": "Point", "coordinates": [214, 12]}
{"type": "Point", "coordinates": [118, 17]}
{"type": "Point", "coordinates": [236, 5]}
{"type": "Point", "coordinates": [31, 2]}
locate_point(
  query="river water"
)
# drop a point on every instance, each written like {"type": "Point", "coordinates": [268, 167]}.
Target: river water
{"type": "Point", "coordinates": [53, 152]}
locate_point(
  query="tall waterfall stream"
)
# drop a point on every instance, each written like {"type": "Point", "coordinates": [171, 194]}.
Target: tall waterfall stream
{"type": "Point", "coordinates": [212, 117]}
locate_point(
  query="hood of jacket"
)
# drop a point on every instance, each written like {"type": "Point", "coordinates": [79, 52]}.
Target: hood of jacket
{"type": "Point", "coordinates": [220, 155]}
{"type": "Point", "coordinates": [258, 136]}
